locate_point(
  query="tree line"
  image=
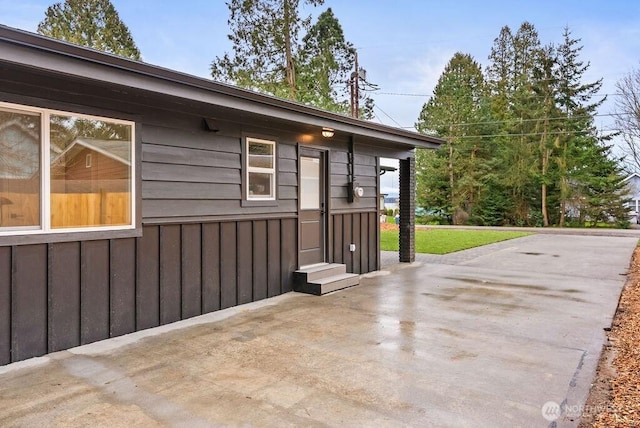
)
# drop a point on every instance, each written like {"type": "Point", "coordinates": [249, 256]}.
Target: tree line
{"type": "Point", "coordinates": [274, 49]}
{"type": "Point", "coordinates": [521, 147]}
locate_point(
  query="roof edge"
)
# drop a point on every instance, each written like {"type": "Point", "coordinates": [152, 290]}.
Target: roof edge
{"type": "Point", "coordinates": [37, 41]}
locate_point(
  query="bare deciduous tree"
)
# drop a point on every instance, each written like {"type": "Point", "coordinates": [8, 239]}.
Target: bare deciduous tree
{"type": "Point", "coordinates": [628, 115]}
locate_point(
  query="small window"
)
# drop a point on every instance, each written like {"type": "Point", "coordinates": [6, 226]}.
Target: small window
{"type": "Point", "coordinates": [64, 172]}
{"type": "Point", "coordinates": [261, 169]}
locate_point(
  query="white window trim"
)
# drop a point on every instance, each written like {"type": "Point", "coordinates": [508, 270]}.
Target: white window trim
{"type": "Point", "coordinates": [45, 173]}
{"type": "Point", "coordinates": [249, 169]}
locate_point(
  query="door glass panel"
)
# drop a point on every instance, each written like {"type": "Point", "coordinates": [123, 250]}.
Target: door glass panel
{"type": "Point", "coordinates": [309, 183]}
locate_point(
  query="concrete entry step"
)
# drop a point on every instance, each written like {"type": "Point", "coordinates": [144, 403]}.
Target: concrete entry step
{"type": "Point", "coordinates": [323, 278]}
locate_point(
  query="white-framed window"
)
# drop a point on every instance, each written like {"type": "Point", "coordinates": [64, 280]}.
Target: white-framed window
{"type": "Point", "coordinates": [260, 169]}
{"type": "Point", "coordinates": [64, 172]}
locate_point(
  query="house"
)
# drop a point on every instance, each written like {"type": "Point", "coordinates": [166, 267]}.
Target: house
{"type": "Point", "coordinates": [156, 196]}
{"type": "Point", "coordinates": [633, 200]}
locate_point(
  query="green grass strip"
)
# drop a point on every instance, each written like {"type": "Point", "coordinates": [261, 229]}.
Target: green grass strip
{"type": "Point", "coordinates": [444, 241]}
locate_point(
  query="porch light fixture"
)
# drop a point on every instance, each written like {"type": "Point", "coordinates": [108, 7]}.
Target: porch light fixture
{"type": "Point", "coordinates": [327, 132]}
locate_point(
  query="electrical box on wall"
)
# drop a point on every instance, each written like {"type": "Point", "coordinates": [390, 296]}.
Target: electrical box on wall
{"type": "Point", "coordinates": [354, 192]}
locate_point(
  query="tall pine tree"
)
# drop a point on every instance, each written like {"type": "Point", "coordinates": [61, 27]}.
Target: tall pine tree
{"type": "Point", "coordinates": [457, 112]}
{"type": "Point", "coordinates": [92, 23]}
{"type": "Point", "coordinates": [265, 38]}
{"type": "Point", "coordinates": [324, 64]}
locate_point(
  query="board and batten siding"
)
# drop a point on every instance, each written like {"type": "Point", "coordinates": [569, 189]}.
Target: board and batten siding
{"type": "Point", "coordinates": [60, 295]}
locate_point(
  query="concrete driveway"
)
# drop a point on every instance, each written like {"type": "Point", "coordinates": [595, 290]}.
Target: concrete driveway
{"type": "Point", "coordinates": [479, 338]}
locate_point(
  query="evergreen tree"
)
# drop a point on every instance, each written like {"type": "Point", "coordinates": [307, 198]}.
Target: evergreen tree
{"type": "Point", "coordinates": [91, 23]}
{"type": "Point", "coordinates": [580, 147]}
{"type": "Point", "coordinates": [546, 124]}
{"type": "Point", "coordinates": [457, 112]}
{"type": "Point", "coordinates": [265, 37]}
{"type": "Point", "coordinates": [510, 76]}
{"type": "Point", "coordinates": [324, 64]}
{"type": "Point", "coordinates": [598, 190]}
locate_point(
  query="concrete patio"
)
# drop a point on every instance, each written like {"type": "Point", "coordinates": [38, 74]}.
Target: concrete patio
{"type": "Point", "coordinates": [483, 337]}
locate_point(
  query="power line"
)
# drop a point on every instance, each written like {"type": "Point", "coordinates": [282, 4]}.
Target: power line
{"type": "Point", "coordinates": [533, 134]}
{"type": "Point", "coordinates": [515, 121]}
{"type": "Point", "coordinates": [409, 94]}
{"type": "Point", "coordinates": [394, 121]}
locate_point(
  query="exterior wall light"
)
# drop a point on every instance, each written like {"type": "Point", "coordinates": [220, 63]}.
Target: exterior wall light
{"type": "Point", "coordinates": [327, 132]}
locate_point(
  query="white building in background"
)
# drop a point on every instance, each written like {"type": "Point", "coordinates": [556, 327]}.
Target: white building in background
{"type": "Point", "coordinates": [633, 199]}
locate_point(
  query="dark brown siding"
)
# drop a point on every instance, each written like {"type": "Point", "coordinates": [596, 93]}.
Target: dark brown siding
{"type": "Point", "coordinates": [274, 287]}
{"type": "Point", "coordinates": [210, 267]}
{"type": "Point", "coordinates": [170, 274]}
{"type": "Point", "coordinates": [5, 305]}
{"type": "Point", "coordinates": [366, 175]}
{"type": "Point", "coordinates": [288, 252]}
{"type": "Point", "coordinates": [94, 291]}
{"type": "Point", "coordinates": [357, 228]}
{"type": "Point", "coordinates": [193, 173]}
{"type": "Point", "coordinates": [29, 302]}
{"type": "Point", "coordinates": [148, 278]}
{"type": "Point", "coordinates": [64, 295]}
{"type": "Point", "coordinates": [245, 262]}
{"type": "Point", "coordinates": [56, 296]}
{"type": "Point", "coordinates": [228, 264]}
{"type": "Point", "coordinates": [122, 301]}
{"type": "Point", "coordinates": [191, 270]}
{"type": "Point", "coordinates": [259, 260]}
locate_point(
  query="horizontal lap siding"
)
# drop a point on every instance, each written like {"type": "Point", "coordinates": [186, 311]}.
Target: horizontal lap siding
{"type": "Point", "coordinates": [57, 296]}
{"type": "Point", "coordinates": [366, 175]}
{"type": "Point", "coordinates": [196, 173]}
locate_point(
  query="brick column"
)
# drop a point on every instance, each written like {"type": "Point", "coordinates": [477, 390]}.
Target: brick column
{"type": "Point", "coordinates": [407, 210]}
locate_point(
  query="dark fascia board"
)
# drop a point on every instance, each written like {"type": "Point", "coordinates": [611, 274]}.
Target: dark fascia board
{"type": "Point", "coordinates": [39, 52]}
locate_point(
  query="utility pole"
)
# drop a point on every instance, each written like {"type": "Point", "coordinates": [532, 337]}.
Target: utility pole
{"type": "Point", "coordinates": [354, 86]}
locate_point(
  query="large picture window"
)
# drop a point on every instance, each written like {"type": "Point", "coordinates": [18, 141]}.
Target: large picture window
{"type": "Point", "coordinates": [64, 172]}
{"type": "Point", "coordinates": [261, 169]}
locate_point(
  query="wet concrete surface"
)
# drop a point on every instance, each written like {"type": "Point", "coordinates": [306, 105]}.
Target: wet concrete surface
{"type": "Point", "coordinates": [477, 340]}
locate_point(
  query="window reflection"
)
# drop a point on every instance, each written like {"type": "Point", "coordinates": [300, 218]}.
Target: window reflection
{"type": "Point", "coordinates": [90, 172]}
{"type": "Point", "coordinates": [20, 138]}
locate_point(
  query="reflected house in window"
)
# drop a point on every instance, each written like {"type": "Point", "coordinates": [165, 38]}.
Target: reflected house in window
{"type": "Point", "coordinates": [90, 165]}
{"type": "Point", "coordinates": [19, 169]}
{"type": "Point", "coordinates": [95, 167]}
{"type": "Point", "coordinates": [133, 196]}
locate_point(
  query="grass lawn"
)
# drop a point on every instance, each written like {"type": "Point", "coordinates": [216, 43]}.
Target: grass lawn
{"type": "Point", "coordinates": [440, 241]}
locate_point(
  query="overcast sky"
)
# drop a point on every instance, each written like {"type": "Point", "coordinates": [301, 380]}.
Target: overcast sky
{"type": "Point", "coordinates": [404, 45]}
